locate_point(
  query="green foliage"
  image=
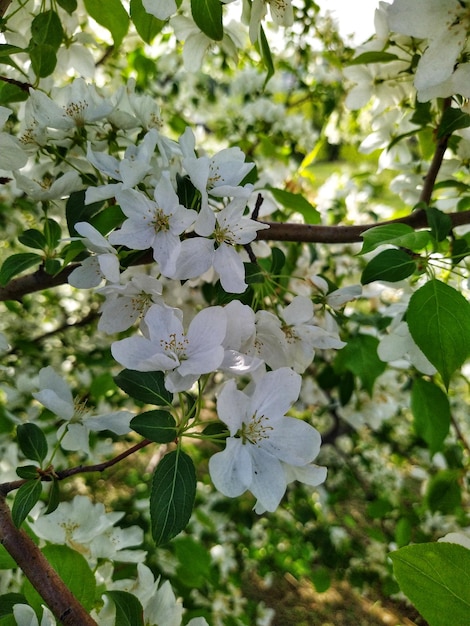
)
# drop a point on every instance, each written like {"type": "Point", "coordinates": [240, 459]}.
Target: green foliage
{"type": "Point", "coordinates": [158, 426]}
{"type": "Point", "coordinates": [147, 387]}
{"type": "Point", "coordinates": [298, 203]}
{"type": "Point", "coordinates": [389, 265]}
{"type": "Point", "coordinates": [32, 441]}
{"type": "Point", "coordinates": [431, 412]}
{"type": "Point", "coordinates": [172, 495]}
{"type": "Point", "coordinates": [438, 317]}
{"type": "Point", "coordinates": [436, 578]}
{"type": "Point", "coordinates": [452, 120]}
{"type": "Point", "coordinates": [146, 25]}
{"type": "Point", "coordinates": [359, 357]}
{"type": "Point", "coordinates": [26, 497]}
{"type": "Point", "coordinates": [207, 14]}
{"type": "Point", "coordinates": [110, 14]}
{"type": "Point", "coordinates": [129, 610]}
{"type": "Point", "coordinates": [17, 263]}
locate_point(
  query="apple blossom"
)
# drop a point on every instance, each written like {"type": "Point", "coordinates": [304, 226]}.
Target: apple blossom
{"type": "Point", "coordinates": [103, 264]}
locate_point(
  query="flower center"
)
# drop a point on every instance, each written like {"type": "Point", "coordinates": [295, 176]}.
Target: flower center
{"type": "Point", "coordinates": [175, 346]}
{"type": "Point", "coordinates": [255, 430]}
{"type": "Point", "coordinates": [160, 221]}
{"type": "Point", "coordinates": [75, 111]}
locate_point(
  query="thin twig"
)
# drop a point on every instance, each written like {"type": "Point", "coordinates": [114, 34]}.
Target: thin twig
{"type": "Point", "coordinates": [4, 4]}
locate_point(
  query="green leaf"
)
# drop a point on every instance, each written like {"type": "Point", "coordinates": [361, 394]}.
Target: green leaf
{"type": "Point", "coordinates": [452, 119]}
{"type": "Point", "coordinates": [6, 561]}
{"type": "Point", "coordinates": [7, 48]}
{"type": "Point", "coordinates": [32, 441]}
{"type": "Point", "coordinates": [296, 202]}
{"type": "Point", "coordinates": [436, 578]}
{"type": "Point", "coordinates": [145, 24]}
{"type": "Point", "coordinates": [110, 14]}
{"type": "Point", "coordinates": [129, 611]}
{"type": "Point", "coordinates": [147, 387]}
{"type": "Point", "coordinates": [443, 492]}
{"type": "Point", "coordinates": [207, 14]}
{"type": "Point", "coordinates": [8, 601]}
{"type": "Point", "coordinates": [438, 317]}
{"type": "Point", "coordinates": [17, 263]}
{"type": "Point", "coordinates": [194, 562]}
{"type": "Point", "coordinates": [73, 569]}
{"type": "Point", "coordinates": [380, 235]}
{"type": "Point", "coordinates": [158, 426]}
{"type": "Point", "coordinates": [431, 413]}
{"type": "Point", "coordinates": [68, 5]}
{"type": "Point", "coordinates": [373, 57]}
{"type": "Point", "coordinates": [27, 471]}
{"type": "Point", "coordinates": [389, 265]}
{"type": "Point", "coordinates": [11, 93]}
{"type": "Point", "coordinates": [33, 238]}
{"type": "Point", "coordinates": [172, 495]}
{"type": "Point", "coordinates": [26, 497]}
{"type": "Point", "coordinates": [278, 260]}
{"type": "Point", "coordinates": [359, 356]}
{"type": "Point", "coordinates": [440, 223]}
{"type": "Point", "coordinates": [265, 52]}
{"type": "Point", "coordinates": [52, 232]}
{"type": "Point", "coordinates": [47, 28]}
{"type": "Point", "coordinates": [53, 500]}
{"type": "Point", "coordinates": [43, 59]}
{"type": "Point", "coordinates": [77, 211]}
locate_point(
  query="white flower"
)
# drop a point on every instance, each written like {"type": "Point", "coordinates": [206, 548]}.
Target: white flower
{"type": "Point", "coordinates": [166, 347]}
{"type": "Point", "coordinates": [12, 155]}
{"type": "Point", "coordinates": [56, 396]}
{"type": "Point", "coordinates": [240, 335]}
{"type": "Point", "coordinates": [103, 264]}
{"type": "Point", "coordinates": [231, 228]}
{"type": "Point", "coordinates": [281, 11]}
{"type": "Point", "coordinates": [261, 438]}
{"type": "Point", "coordinates": [462, 539]}
{"type": "Point", "coordinates": [444, 24]}
{"type": "Point", "coordinates": [125, 304]}
{"type": "Point", "coordinates": [218, 176]}
{"type": "Point", "coordinates": [154, 224]}
{"type": "Point", "coordinates": [25, 616]}
{"type": "Point", "coordinates": [399, 344]}
{"type": "Point", "coordinates": [88, 529]}
{"type": "Point", "coordinates": [161, 9]}
{"type": "Point", "coordinates": [49, 187]}
{"type": "Point", "coordinates": [337, 298]}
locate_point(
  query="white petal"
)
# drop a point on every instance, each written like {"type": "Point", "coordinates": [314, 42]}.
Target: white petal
{"type": "Point", "coordinates": [231, 469]}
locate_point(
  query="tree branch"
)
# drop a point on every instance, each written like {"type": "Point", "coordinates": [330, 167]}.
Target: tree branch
{"type": "Point", "coordinates": [61, 601]}
{"type": "Point", "coordinates": [4, 4]}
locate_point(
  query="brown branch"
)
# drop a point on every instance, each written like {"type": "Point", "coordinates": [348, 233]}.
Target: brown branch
{"type": "Point", "coordinates": [37, 281]}
{"type": "Point", "coordinates": [441, 147]}
{"type": "Point", "coordinates": [4, 4]}
{"type": "Point", "coordinates": [61, 601]}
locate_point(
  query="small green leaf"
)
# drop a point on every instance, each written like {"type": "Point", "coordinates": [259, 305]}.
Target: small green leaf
{"type": "Point", "coordinates": [110, 14]}
{"type": "Point", "coordinates": [359, 356]}
{"type": "Point", "coordinates": [444, 493]}
{"type": "Point", "coordinates": [52, 232]}
{"type": "Point", "coordinates": [195, 562]}
{"type": "Point", "coordinates": [73, 569]}
{"type": "Point", "coordinates": [32, 441]}
{"type": "Point", "coordinates": [145, 24]}
{"type": "Point", "coordinates": [7, 48]}
{"type": "Point", "coordinates": [373, 57]}
{"type": "Point", "coordinates": [54, 497]}
{"type": "Point", "coordinates": [43, 59]}
{"type": "Point", "coordinates": [438, 317]}
{"type": "Point", "coordinates": [77, 211]}
{"type": "Point", "coordinates": [68, 5]}
{"type": "Point", "coordinates": [158, 426]}
{"type": "Point", "coordinates": [380, 235]}
{"type": "Point", "coordinates": [207, 15]}
{"type": "Point", "coordinates": [278, 260]}
{"type": "Point", "coordinates": [147, 387]}
{"type": "Point", "coordinates": [452, 119]}
{"type": "Point", "coordinates": [265, 52]}
{"type": "Point", "coordinates": [26, 497]}
{"type": "Point", "coordinates": [47, 28]}
{"type": "Point", "coordinates": [298, 203]}
{"type": "Point", "coordinates": [389, 265]}
{"type": "Point", "coordinates": [129, 611]}
{"type": "Point", "coordinates": [17, 263]}
{"type": "Point", "coordinates": [27, 471]}
{"type": "Point", "coordinates": [431, 413]}
{"type": "Point", "coordinates": [439, 223]}
{"type": "Point", "coordinates": [33, 238]}
{"type": "Point", "coordinates": [8, 601]}
{"type": "Point", "coordinates": [436, 578]}
{"type": "Point", "coordinates": [172, 495]}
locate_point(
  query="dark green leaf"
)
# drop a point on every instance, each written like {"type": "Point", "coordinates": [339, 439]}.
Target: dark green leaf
{"type": "Point", "coordinates": [147, 387]}
{"type": "Point", "coordinates": [17, 263]}
{"type": "Point", "coordinates": [439, 223]}
{"type": "Point", "coordinates": [77, 211]}
{"type": "Point", "coordinates": [7, 48]}
{"type": "Point", "coordinates": [443, 492]}
{"type": "Point", "coordinates": [459, 250]}
{"type": "Point", "coordinates": [158, 426]}
{"type": "Point", "coordinates": [43, 59]}
{"type": "Point", "coordinates": [8, 601]}
{"type": "Point", "coordinates": [422, 115]}
{"type": "Point", "coordinates": [172, 495]}
{"type": "Point", "coordinates": [298, 203]}
{"type": "Point", "coordinates": [389, 265]}
{"type": "Point", "coordinates": [145, 24]}
{"type": "Point", "coordinates": [129, 611]}
{"type": "Point", "coordinates": [32, 441]}
{"type": "Point", "coordinates": [110, 14]}
{"type": "Point", "coordinates": [68, 5]}
{"type": "Point", "coordinates": [11, 93]}
{"type": "Point", "coordinates": [195, 562]}
{"type": "Point", "coordinates": [380, 235]}
{"type": "Point", "coordinates": [438, 317]}
{"type": "Point", "coordinates": [436, 578]}
{"type": "Point", "coordinates": [359, 356]}
{"type": "Point", "coordinates": [47, 28]}
{"type": "Point", "coordinates": [27, 471]}
{"type": "Point", "coordinates": [265, 51]}
{"type": "Point", "coordinates": [431, 413]}
{"type": "Point", "coordinates": [33, 238]}
{"type": "Point", "coordinates": [207, 15]}
{"type": "Point", "coordinates": [26, 497]}
{"type": "Point", "coordinates": [278, 260]}
{"type": "Point", "coordinates": [373, 57]}
{"type": "Point", "coordinates": [54, 497]}
{"type": "Point", "coordinates": [73, 569]}
{"type": "Point", "coordinates": [52, 232]}
{"type": "Point", "coordinates": [452, 119]}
